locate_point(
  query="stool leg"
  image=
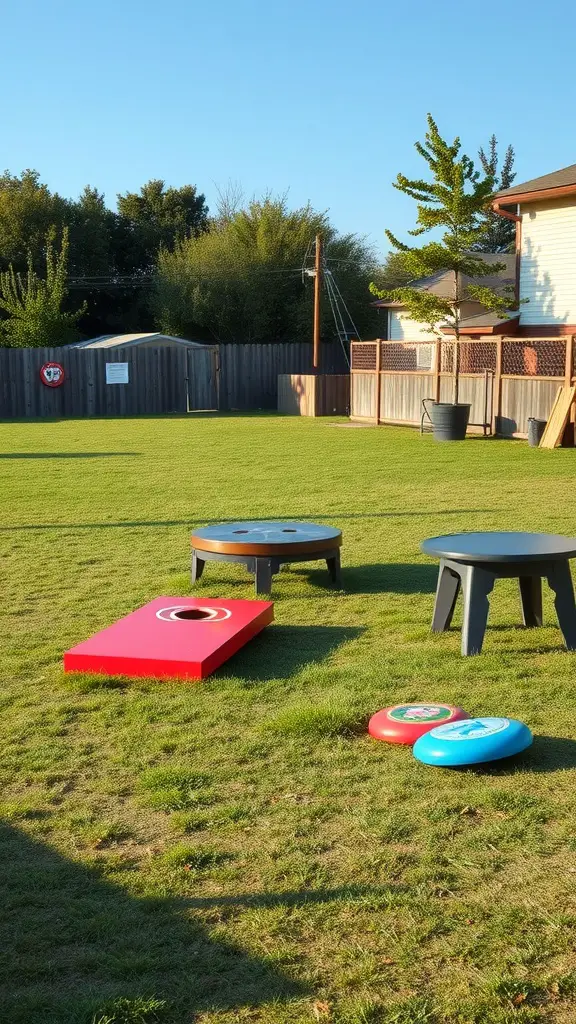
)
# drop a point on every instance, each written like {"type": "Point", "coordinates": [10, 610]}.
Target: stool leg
{"type": "Point", "coordinates": [476, 584]}
{"type": "Point", "coordinates": [263, 575]}
{"type": "Point", "coordinates": [333, 564]}
{"type": "Point", "coordinates": [197, 567]}
{"type": "Point", "coordinates": [446, 594]}
{"type": "Point", "coordinates": [531, 600]}
{"type": "Point", "coordinates": [560, 581]}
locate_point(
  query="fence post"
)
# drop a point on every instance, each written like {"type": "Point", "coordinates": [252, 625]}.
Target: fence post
{"type": "Point", "coordinates": [436, 369]}
{"type": "Point", "coordinates": [497, 387]}
{"type": "Point", "coordinates": [569, 374]}
{"type": "Point", "coordinates": [569, 359]}
{"type": "Point", "coordinates": [378, 367]}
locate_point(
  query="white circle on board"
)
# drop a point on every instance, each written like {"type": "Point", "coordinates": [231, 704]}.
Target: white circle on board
{"type": "Point", "coordinates": [210, 614]}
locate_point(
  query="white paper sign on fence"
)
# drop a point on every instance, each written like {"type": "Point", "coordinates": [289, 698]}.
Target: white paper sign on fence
{"type": "Point", "coordinates": [117, 373]}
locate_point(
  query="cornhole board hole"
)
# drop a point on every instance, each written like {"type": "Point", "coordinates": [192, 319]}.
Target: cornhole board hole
{"type": "Point", "coordinates": [474, 741]}
{"type": "Point", "coordinates": [405, 723]}
{"type": "Point", "coordinates": [172, 637]}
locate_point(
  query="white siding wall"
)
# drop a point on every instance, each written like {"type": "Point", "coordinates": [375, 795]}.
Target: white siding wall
{"type": "Point", "coordinates": [548, 264]}
{"type": "Point", "coordinates": [402, 328]}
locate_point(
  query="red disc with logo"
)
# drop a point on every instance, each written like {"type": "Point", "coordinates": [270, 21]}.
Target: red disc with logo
{"type": "Point", "coordinates": [405, 723]}
{"type": "Point", "coordinates": [52, 374]}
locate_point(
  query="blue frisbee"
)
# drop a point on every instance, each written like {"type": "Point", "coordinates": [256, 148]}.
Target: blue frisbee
{"type": "Point", "coordinates": [472, 741]}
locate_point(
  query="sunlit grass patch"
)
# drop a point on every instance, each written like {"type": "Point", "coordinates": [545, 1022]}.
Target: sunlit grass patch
{"type": "Point", "coordinates": [318, 721]}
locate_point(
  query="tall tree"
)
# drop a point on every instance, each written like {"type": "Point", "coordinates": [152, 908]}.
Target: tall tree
{"type": "Point", "coordinates": [28, 210]}
{"type": "Point", "coordinates": [33, 305]}
{"type": "Point", "coordinates": [392, 273]}
{"type": "Point", "coordinates": [499, 233]}
{"type": "Point", "coordinates": [452, 203]}
{"type": "Point", "coordinates": [243, 280]}
{"type": "Point", "coordinates": [158, 217]}
{"type": "Point", "coordinates": [92, 234]}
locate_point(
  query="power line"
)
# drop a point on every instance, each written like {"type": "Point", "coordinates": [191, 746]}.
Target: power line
{"type": "Point", "coordinates": [348, 313]}
{"type": "Point", "coordinates": [131, 281]}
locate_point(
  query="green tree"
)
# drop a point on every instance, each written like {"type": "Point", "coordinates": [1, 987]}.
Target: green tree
{"type": "Point", "coordinates": [452, 206]}
{"type": "Point", "coordinates": [499, 234]}
{"type": "Point", "coordinates": [392, 273]}
{"type": "Point", "coordinates": [157, 217]}
{"type": "Point", "coordinates": [92, 236]}
{"type": "Point", "coordinates": [243, 280]}
{"type": "Point", "coordinates": [34, 305]}
{"type": "Point", "coordinates": [28, 210]}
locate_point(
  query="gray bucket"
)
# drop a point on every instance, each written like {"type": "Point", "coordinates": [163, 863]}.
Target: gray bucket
{"type": "Point", "coordinates": [450, 421]}
{"type": "Point", "coordinates": [535, 430]}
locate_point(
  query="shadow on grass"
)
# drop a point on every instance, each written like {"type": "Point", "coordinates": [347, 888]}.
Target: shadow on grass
{"type": "Point", "coordinates": [546, 755]}
{"type": "Point", "coordinates": [281, 651]}
{"type": "Point", "coordinates": [66, 455]}
{"type": "Point", "coordinates": [390, 577]}
{"type": "Point", "coordinates": [344, 894]}
{"type": "Point", "coordinates": [333, 518]}
{"type": "Point", "coordinates": [73, 942]}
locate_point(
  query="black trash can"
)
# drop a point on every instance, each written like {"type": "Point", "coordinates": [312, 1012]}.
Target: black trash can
{"type": "Point", "coordinates": [535, 430]}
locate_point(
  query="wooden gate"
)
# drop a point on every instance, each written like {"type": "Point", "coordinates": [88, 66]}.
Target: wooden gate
{"type": "Point", "coordinates": [203, 379]}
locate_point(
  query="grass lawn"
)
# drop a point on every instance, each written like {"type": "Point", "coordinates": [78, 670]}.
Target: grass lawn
{"type": "Point", "coordinates": [240, 850]}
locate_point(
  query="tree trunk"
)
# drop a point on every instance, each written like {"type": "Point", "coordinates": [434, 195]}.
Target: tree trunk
{"type": "Point", "coordinates": [456, 360]}
{"type": "Point", "coordinates": [456, 368]}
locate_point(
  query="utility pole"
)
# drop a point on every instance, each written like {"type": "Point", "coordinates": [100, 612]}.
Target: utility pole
{"type": "Point", "coordinates": [317, 302]}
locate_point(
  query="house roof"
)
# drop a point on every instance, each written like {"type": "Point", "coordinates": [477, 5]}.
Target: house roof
{"type": "Point", "coordinates": [442, 283]}
{"type": "Point", "coordinates": [487, 323]}
{"type": "Point", "coordinates": [557, 182]}
{"type": "Point", "coordinates": [131, 340]}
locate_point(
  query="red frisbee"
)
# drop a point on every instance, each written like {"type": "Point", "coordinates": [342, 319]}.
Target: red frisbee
{"type": "Point", "coordinates": [404, 723]}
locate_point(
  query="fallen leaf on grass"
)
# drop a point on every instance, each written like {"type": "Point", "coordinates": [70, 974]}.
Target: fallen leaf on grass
{"type": "Point", "coordinates": [320, 1009]}
{"type": "Point", "coordinates": [387, 960]}
{"type": "Point", "coordinates": [518, 999]}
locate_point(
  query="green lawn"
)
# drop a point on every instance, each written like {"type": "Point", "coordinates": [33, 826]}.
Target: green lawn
{"type": "Point", "coordinates": [240, 850]}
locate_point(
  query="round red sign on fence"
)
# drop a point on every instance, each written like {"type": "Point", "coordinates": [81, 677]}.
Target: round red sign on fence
{"type": "Point", "coordinates": [52, 374]}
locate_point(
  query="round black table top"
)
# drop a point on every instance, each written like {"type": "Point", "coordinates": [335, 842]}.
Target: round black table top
{"type": "Point", "coordinates": [267, 536]}
{"type": "Point", "coordinates": [501, 547]}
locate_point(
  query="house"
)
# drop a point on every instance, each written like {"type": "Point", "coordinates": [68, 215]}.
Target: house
{"type": "Point", "coordinates": [400, 327]}
{"type": "Point", "coordinates": [544, 210]}
{"type": "Point", "coordinates": [109, 341]}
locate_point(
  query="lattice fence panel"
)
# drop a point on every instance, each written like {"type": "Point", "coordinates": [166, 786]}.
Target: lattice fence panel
{"type": "Point", "coordinates": [531, 357]}
{"type": "Point", "coordinates": [363, 355]}
{"type": "Point", "coordinates": [446, 357]}
{"type": "Point", "coordinates": [407, 356]}
{"type": "Point", "coordinates": [477, 356]}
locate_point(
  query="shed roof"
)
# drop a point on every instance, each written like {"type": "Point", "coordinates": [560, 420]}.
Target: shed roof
{"type": "Point", "coordinates": [131, 340]}
{"type": "Point", "coordinates": [562, 179]}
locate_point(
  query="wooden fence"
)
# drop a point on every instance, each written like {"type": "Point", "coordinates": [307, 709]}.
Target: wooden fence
{"type": "Point", "coordinates": [249, 373]}
{"type": "Point", "coordinates": [506, 380]}
{"type": "Point", "coordinates": [321, 394]}
{"type": "Point", "coordinates": [155, 381]}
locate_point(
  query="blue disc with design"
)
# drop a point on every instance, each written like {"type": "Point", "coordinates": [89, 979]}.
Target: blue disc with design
{"type": "Point", "coordinates": [472, 741]}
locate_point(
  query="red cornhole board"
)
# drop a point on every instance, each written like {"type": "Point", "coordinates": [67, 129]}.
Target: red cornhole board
{"type": "Point", "coordinates": [172, 637]}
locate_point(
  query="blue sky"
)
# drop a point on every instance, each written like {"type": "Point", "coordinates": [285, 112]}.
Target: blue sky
{"type": "Point", "coordinates": [321, 99]}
